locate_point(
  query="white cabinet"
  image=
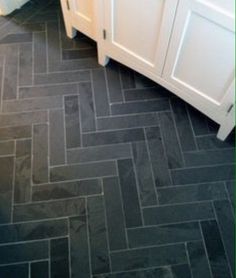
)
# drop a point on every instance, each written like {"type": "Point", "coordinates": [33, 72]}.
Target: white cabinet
{"type": "Point", "coordinates": [186, 46]}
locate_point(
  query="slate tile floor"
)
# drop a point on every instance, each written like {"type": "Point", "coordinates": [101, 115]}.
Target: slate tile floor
{"type": "Point", "coordinates": [103, 173]}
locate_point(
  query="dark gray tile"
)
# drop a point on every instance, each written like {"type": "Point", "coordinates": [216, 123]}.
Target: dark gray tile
{"type": "Point", "coordinates": [6, 180]}
{"type": "Point", "coordinates": [211, 142]}
{"type": "Point", "coordinates": [170, 139]}
{"type": "Point", "coordinates": [72, 121]}
{"type": "Point", "coordinates": [6, 147]}
{"type": "Point", "coordinates": [9, 133]}
{"type": "Point", "coordinates": [129, 121]}
{"type": "Point", "coordinates": [114, 214]}
{"type": "Point", "coordinates": [230, 187]}
{"type": "Point", "coordinates": [70, 54]}
{"type": "Point", "coordinates": [113, 137]}
{"type": "Point", "coordinates": [98, 236]}
{"type": "Point", "coordinates": [59, 258]}
{"type": "Point", "coordinates": [199, 121]}
{"type": "Point", "coordinates": [39, 270]}
{"type": "Point", "coordinates": [57, 137]}
{"type": "Point", "coordinates": [64, 190]}
{"type": "Point", "coordinates": [145, 178]}
{"type": "Point", "coordinates": [149, 236]}
{"type": "Point", "coordinates": [22, 184]}
{"type": "Point", "coordinates": [40, 52]}
{"type": "Point", "coordinates": [86, 107]}
{"type": "Point", "coordinates": [23, 252]}
{"type": "Point", "coordinates": [226, 225]}
{"type": "Point", "coordinates": [33, 230]}
{"type": "Point", "coordinates": [79, 250]}
{"type": "Point", "coordinates": [158, 157]}
{"type": "Point", "coordinates": [183, 125]}
{"type": "Point", "coordinates": [181, 271]}
{"type": "Point", "coordinates": [46, 210]}
{"type": "Point", "coordinates": [127, 77]}
{"type": "Point", "coordinates": [198, 260]}
{"type": "Point", "coordinates": [25, 65]}
{"type": "Point", "coordinates": [33, 27]}
{"type": "Point", "coordinates": [40, 153]}
{"type": "Point", "coordinates": [203, 174]}
{"type": "Point", "coordinates": [191, 193]}
{"type": "Point", "coordinates": [129, 193]}
{"type": "Point", "coordinates": [97, 153]}
{"type": "Point", "coordinates": [142, 81]}
{"type": "Point", "coordinates": [215, 249]}
{"type": "Point", "coordinates": [148, 257]}
{"type": "Point", "coordinates": [140, 107]}
{"type": "Point", "coordinates": [47, 90]}
{"type": "Point", "coordinates": [13, 271]}
{"type": "Point", "coordinates": [100, 92]}
{"type": "Point", "coordinates": [83, 171]}
{"type": "Point", "coordinates": [145, 93]}
{"type": "Point", "coordinates": [177, 213]}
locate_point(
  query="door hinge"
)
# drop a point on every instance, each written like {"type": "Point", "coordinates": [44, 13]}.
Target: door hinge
{"type": "Point", "coordinates": [68, 4]}
{"type": "Point", "coordinates": [230, 108]}
{"type": "Point", "coordinates": [104, 34]}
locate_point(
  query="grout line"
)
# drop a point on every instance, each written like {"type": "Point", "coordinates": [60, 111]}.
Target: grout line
{"type": "Point", "coordinates": [18, 72]}
{"type": "Point", "coordinates": [227, 193]}
{"type": "Point", "coordinates": [188, 258]}
{"type": "Point", "coordinates": [88, 236]}
{"type": "Point", "coordinates": [69, 248]}
{"type": "Point", "coordinates": [93, 97]}
{"type": "Point", "coordinates": [2, 83]}
{"type": "Point", "coordinates": [13, 183]}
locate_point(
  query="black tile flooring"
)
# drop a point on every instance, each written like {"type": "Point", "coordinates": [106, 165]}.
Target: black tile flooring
{"type": "Point", "coordinates": [103, 173]}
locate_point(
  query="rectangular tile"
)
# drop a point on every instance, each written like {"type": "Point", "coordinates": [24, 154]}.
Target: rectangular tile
{"type": "Point", "coordinates": [170, 139]}
{"type": "Point", "coordinates": [59, 258]}
{"type": "Point", "coordinates": [129, 193]}
{"type": "Point", "coordinates": [142, 81]}
{"type": "Point", "coordinates": [6, 147]}
{"type": "Point", "coordinates": [64, 190]}
{"type": "Point", "coordinates": [144, 174]}
{"type": "Point", "coordinates": [22, 186]}
{"type": "Point", "coordinates": [199, 121]}
{"type": "Point", "coordinates": [98, 235]}
{"type": "Point", "coordinates": [198, 260]}
{"type": "Point", "coordinates": [230, 187]}
{"type": "Point", "coordinates": [191, 193]}
{"type": "Point", "coordinates": [70, 54]}
{"type": "Point", "coordinates": [203, 174]}
{"type": "Point", "coordinates": [108, 152]}
{"type": "Point", "coordinates": [12, 271]}
{"type": "Point", "coordinates": [39, 269]}
{"type": "Point", "coordinates": [32, 104]}
{"type": "Point", "coordinates": [16, 132]}
{"type": "Point", "coordinates": [114, 214]}
{"type": "Point", "coordinates": [148, 257]}
{"type": "Point", "coordinates": [158, 157]}
{"type": "Point", "coordinates": [40, 153]}
{"type": "Point", "coordinates": [83, 171]}
{"type": "Point", "coordinates": [16, 38]}
{"type": "Point", "coordinates": [156, 92]}
{"type": "Point", "coordinates": [25, 64]}
{"type": "Point", "coordinates": [129, 121]}
{"type": "Point", "coordinates": [57, 137]}
{"type": "Point", "coordinates": [113, 137]}
{"type": "Point", "coordinates": [87, 111]}
{"type": "Point", "coordinates": [177, 213]}
{"type": "Point", "coordinates": [100, 92]}
{"type": "Point", "coordinates": [33, 231]}
{"type": "Point", "coordinates": [79, 250]}
{"type": "Point", "coordinates": [127, 77]}
{"type": "Point", "coordinates": [40, 52]}
{"type": "Point", "coordinates": [45, 210]}
{"type": "Point", "coordinates": [215, 249]}
{"type": "Point", "coordinates": [6, 182]}
{"type": "Point", "coordinates": [72, 122]}
{"type": "Point", "coordinates": [47, 91]}
{"type": "Point", "coordinates": [149, 236]}
{"type": "Point", "coordinates": [140, 107]}
{"type": "Point", "coordinates": [211, 142]}
{"type": "Point", "coordinates": [22, 252]}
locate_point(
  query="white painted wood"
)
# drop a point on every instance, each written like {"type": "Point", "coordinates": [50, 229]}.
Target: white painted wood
{"type": "Point", "coordinates": [139, 30]}
{"type": "Point", "coordinates": [8, 6]}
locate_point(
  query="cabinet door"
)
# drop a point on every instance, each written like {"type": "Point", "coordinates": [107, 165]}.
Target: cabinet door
{"type": "Point", "coordinates": [200, 60]}
{"type": "Point", "coordinates": [81, 16]}
{"type": "Point", "coordinates": [137, 32]}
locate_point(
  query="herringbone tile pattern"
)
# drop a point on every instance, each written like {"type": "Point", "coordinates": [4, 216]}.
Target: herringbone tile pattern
{"type": "Point", "coordinates": [103, 173]}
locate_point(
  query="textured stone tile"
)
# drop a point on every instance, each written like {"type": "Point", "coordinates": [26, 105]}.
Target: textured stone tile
{"type": "Point", "coordinates": [177, 213]}
{"type": "Point", "coordinates": [33, 230]}
{"type": "Point", "coordinates": [129, 121]}
{"type": "Point", "coordinates": [198, 260]}
{"type": "Point", "coordinates": [148, 257]}
{"type": "Point", "coordinates": [39, 269]}
{"type": "Point", "coordinates": [70, 54]}
{"type": "Point", "coordinates": [97, 153]}
{"type": "Point", "coordinates": [40, 54]}
{"type": "Point", "coordinates": [40, 153]}
{"type": "Point", "coordinates": [113, 137]}
{"type": "Point", "coordinates": [79, 249]}
{"type": "Point", "coordinates": [6, 182]}
{"type": "Point", "coordinates": [230, 187]}
{"type": "Point", "coordinates": [46, 210]}
{"type": "Point", "coordinates": [215, 249]}
{"type": "Point", "coordinates": [16, 132]}
{"type": "Point", "coordinates": [59, 258]}
{"type": "Point", "coordinates": [98, 236]}
{"type": "Point", "coordinates": [142, 81]}
{"type": "Point", "coordinates": [6, 147]}
{"type": "Point", "coordinates": [114, 214]}
{"type": "Point", "coordinates": [127, 77]}
{"type": "Point", "coordinates": [211, 142]}
{"type": "Point", "coordinates": [199, 121]}
{"type": "Point", "coordinates": [12, 271]}
{"type": "Point", "coordinates": [22, 186]}
{"type": "Point", "coordinates": [22, 252]}
{"type": "Point", "coordinates": [64, 190]}
{"type": "Point", "coordinates": [83, 171]}
{"type": "Point", "coordinates": [129, 193]}
{"type": "Point", "coordinates": [25, 64]}
{"type": "Point", "coordinates": [149, 236]}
